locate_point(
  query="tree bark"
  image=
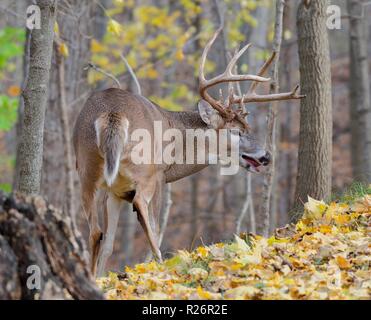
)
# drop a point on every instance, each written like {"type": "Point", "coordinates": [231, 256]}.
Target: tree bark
{"type": "Point", "coordinates": [35, 234]}
{"type": "Point", "coordinates": [20, 111]}
{"type": "Point", "coordinates": [128, 235]}
{"type": "Point", "coordinates": [359, 87]}
{"type": "Point", "coordinates": [270, 141]}
{"type": "Point", "coordinates": [315, 143]}
{"type": "Point", "coordinates": [35, 96]}
{"type": "Point", "coordinates": [66, 137]}
{"type": "Point", "coordinates": [164, 215]}
{"type": "Point", "coordinates": [75, 28]}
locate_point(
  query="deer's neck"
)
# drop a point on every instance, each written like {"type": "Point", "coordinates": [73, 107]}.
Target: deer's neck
{"type": "Point", "coordinates": [183, 121]}
{"type": "Point", "coordinates": [186, 120]}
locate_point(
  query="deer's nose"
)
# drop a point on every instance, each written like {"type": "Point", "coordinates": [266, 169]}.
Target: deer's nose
{"type": "Point", "coordinates": [266, 159]}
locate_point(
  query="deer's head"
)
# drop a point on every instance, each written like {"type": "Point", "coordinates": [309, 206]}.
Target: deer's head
{"type": "Point", "coordinates": [251, 154]}
{"type": "Point", "coordinates": [222, 114]}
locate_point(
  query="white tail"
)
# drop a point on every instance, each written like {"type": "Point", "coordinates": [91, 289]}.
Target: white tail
{"type": "Point", "coordinates": [112, 133]}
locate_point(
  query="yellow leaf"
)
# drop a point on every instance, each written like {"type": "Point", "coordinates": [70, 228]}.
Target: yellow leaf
{"type": "Point", "coordinates": [96, 47]}
{"type": "Point", "coordinates": [179, 55]}
{"type": "Point", "coordinates": [63, 49]}
{"type": "Point", "coordinates": [341, 219]}
{"type": "Point", "coordinates": [203, 294]}
{"type": "Point", "coordinates": [140, 268]}
{"type": "Point", "coordinates": [236, 266]}
{"type": "Point", "coordinates": [273, 239]}
{"type": "Point", "coordinates": [300, 226]}
{"type": "Point", "coordinates": [315, 208]}
{"type": "Point", "coordinates": [342, 263]}
{"type": "Point", "coordinates": [173, 262]}
{"type": "Point", "coordinates": [114, 27]}
{"type": "Point", "coordinates": [56, 28]}
{"type": "Point", "coordinates": [14, 91]}
{"type": "Point", "coordinates": [203, 252]}
{"type": "Point", "coordinates": [152, 74]}
{"type": "Point", "coordinates": [325, 229]}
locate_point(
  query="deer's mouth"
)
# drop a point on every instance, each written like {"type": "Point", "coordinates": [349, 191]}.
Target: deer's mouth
{"type": "Point", "coordinates": [252, 163]}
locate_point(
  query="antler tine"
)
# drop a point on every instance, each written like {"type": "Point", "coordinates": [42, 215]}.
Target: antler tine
{"type": "Point", "coordinates": [241, 105]}
{"type": "Point", "coordinates": [221, 98]}
{"type": "Point", "coordinates": [230, 98]}
{"type": "Point", "coordinates": [237, 55]}
{"type": "Point", "coordinates": [225, 108]}
{"type": "Point", "coordinates": [201, 74]}
{"type": "Point", "coordinates": [292, 95]}
{"type": "Point", "coordinates": [262, 71]}
{"type": "Point", "coordinates": [253, 97]}
{"type": "Point", "coordinates": [227, 75]}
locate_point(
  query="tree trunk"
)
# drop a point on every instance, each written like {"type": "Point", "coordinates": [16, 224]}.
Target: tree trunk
{"type": "Point", "coordinates": [287, 164]}
{"type": "Point", "coordinates": [75, 27]}
{"type": "Point", "coordinates": [35, 96]}
{"type": "Point", "coordinates": [66, 136]}
{"type": "Point", "coordinates": [315, 145]}
{"type": "Point", "coordinates": [41, 253]}
{"type": "Point", "coordinates": [359, 85]}
{"type": "Point", "coordinates": [129, 225]}
{"type": "Point", "coordinates": [270, 141]}
{"type": "Point", "coordinates": [20, 111]}
{"type": "Point", "coordinates": [164, 215]}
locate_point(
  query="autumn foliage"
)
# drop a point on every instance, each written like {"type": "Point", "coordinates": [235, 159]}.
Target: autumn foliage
{"type": "Point", "coordinates": [326, 255]}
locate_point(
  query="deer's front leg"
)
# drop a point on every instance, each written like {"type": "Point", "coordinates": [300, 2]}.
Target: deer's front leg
{"type": "Point", "coordinates": [155, 206]}
{"type": "Point", "coordinates": [154, 212]}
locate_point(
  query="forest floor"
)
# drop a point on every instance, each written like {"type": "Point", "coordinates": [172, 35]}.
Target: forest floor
{"type": "Point", "coordinates": [325, 255]}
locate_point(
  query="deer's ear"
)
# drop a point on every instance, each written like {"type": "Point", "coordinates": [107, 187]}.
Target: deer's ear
{"type": "Point", "coordinates": [209, 115]}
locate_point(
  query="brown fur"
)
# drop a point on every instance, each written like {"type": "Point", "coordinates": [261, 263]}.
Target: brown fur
{"type": "Point", "coordinates": [115, 114]}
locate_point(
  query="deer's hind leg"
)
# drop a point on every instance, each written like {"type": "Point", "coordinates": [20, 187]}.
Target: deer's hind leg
{"type": "Point", "coordinates": [89, 199]}
{"type": "Point", "coordinates": [111, 217]}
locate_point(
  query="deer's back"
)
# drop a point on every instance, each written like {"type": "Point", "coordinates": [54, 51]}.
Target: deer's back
{"type": "Point", "coordinates": [139, 111]}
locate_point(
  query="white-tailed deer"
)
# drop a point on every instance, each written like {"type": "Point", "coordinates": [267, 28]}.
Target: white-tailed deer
{"type": "Point", "coordinates": [103, 148]}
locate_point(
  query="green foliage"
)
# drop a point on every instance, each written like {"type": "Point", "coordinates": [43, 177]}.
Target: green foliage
{"type": "Point", "coordinates": [355, 191]}
{"type": "Point", "coordinates": [6, 187]}
{"type": "Point", "coordinates": [8, 112]}
{"type": "Point", "coordinates": [11, 44]}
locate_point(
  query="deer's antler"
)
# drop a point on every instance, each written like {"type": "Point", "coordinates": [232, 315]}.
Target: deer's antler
{"type": "Point", "coordinates": [225, 108]}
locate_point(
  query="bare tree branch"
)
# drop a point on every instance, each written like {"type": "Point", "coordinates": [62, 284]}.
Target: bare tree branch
{"type": "Point", "coordinates": [107, 74]}
{"type": "Point", "coordinates": [132, 73]}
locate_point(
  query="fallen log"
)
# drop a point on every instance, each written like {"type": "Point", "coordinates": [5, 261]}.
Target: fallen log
{"type": "Point", "coordinates": [42, 254]}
